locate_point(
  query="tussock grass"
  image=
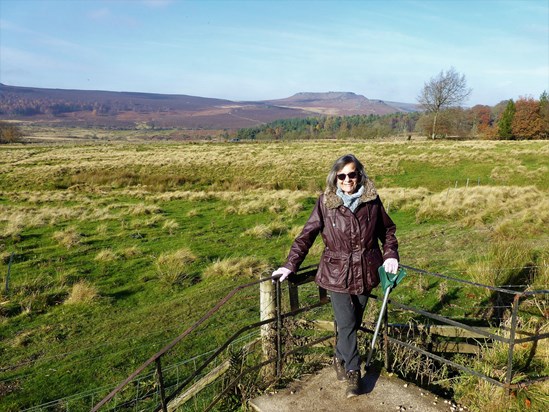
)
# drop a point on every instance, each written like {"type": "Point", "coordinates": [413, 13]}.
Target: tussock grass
{"type": "Point", "coordinates": [478, 204]}
{"type": "Point", "coordinates": [267, 231]}
{"type": "Point", "coordinates": [532, 220]}
{"type": "Point", "coordinates": [82, 292]}
{"type": "Point", "coordinates": [237, 268]}
{"type": "Point", "coordinates": [106, 256]}
{"type": "Point", "coordinates": [276, 202]}
{"type": "Point", "coordinates": [69, 238]}
{"type": "Point", "coordinates": [402, 198]}
{"type": "Point", "coordinates": [505, 174]}
{"type": "Point", "coordinates": [131, 252]}
{"type": "Point", "coordinates": [170, 226]}
{"type": "Point", "coordinates": [102, 229]}
{"type": "Point", "coordinates": [505, 263]}
{"type": "Point", "coordinates": [193, 213]}
{"type": "Point", "coordinates": [144, 209]}
{"type": "Point", "coordinates": [173, 268]}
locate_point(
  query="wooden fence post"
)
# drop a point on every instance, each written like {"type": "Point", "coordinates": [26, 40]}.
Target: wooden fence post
{"type": "Point", "coordinates": [267, 307]}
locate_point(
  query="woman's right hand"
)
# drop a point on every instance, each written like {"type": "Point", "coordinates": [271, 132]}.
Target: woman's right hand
{"type": "Point", "coordinates": [282, 272]}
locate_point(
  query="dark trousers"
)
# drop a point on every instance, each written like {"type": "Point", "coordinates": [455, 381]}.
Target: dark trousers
{"type": "Point", "coordinates": [348, 311]}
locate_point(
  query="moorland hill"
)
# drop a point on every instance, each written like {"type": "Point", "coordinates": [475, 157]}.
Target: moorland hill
{"type": "Point", "coordinates": [96, 108]}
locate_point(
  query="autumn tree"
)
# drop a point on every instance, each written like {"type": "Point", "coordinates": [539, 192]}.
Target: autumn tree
{"type": "Point", "coordinates": [481, 118]}
{"type": "Point", "coordinates": [527, 122]}
{"type": "Point", "coordinates": [447, 89]}
{"type": "Point", "coordinates": [9, 133]}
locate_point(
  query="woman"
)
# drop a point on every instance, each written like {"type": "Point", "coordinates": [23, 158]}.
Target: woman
{"type": "Point", "coordinates": [353, 222]}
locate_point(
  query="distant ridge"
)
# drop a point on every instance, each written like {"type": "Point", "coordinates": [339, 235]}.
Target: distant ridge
{"type": "Point", "coordinates": [96, 108]}
{"type": "Point", "coordinates": [335, 103]}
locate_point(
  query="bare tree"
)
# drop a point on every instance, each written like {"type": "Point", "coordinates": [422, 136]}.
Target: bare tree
{"type": "Point", "coordinates": [442, 92]}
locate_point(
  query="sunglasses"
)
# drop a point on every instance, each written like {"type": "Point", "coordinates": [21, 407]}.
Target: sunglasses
{"type": "Point", "coordinates": [351, 175]}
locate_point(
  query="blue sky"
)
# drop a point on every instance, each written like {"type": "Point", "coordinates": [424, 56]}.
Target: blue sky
{"type": "Point", "coordinates": [263, 49]}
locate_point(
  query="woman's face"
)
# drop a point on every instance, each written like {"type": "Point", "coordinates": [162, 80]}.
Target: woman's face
{"type": "Point", "coordinates": [349, 183]}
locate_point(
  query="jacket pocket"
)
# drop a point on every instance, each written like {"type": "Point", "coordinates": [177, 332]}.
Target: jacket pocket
{"type": "Point", "coordinates": [334, 270]}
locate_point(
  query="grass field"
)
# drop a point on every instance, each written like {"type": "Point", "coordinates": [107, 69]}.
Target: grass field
{"type": "Point", "coordinates": [116, 248]}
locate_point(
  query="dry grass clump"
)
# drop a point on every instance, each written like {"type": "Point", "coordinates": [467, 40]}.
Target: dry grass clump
{"type": "Point", "coordinates": [131, 252]}
{"type": "Point", "coordinates": [532, 220]}
{"type": "Point", "coordinates": [267, 231]}
{"type": "Point", "coordinates": [144, 209]}
{"type": "Point", "coordinates": [106, 256]}
{"type": "Point", "coordinates": [194, 196]}
{"type": "Point", "coordinates": [170, 226]}
{"type": "Point", "coordinates": [17, 219]}
{"type": "Point", "coordinates": [69, 238]}
{"type": "Point", "coordinates": [193, 213]}
{"type": "Point", "coordinates": [249, 208]}
{"type": "Point", "coordinates": [102, 229]}
{"type": "Point", "coordinates": [257, 201]}
{"type": "Point", "coordinates": [402, 198]}
{"type": "Point", "coordinates": [14, 226]}
{"type": "Point", "coordinates": [507, 172]}
{"type": "Point", "coordinates": [174, 267]}
{"type": "Point", "coordinates": [237, 267]}
{"type": "Point", "coordinates": [82, 292]}
{"type": "Point", "coordinates": [478, 204]}
{"type": "Point", "coordinates": [153, 221]}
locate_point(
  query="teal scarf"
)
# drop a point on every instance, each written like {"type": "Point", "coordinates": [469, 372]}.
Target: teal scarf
{"type": "Point", "coordinates": [351, 201]}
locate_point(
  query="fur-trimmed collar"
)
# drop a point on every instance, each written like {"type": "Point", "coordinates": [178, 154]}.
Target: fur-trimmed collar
{"type": "Point", "coordinates": [333, 201]}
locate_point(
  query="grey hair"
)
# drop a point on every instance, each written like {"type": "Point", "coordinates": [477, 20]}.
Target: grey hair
{"type": "Point", "coordinates": [331, 180]}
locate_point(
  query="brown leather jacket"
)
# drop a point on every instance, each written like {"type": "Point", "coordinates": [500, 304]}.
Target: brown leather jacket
{"type": "Point", "coordinates": [352, 252]}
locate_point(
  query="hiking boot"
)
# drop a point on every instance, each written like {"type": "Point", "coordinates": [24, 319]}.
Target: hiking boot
{"type": "Point", "coordinates": [339, 367]}
{"type": "Point", "coordinates": [353, 384]}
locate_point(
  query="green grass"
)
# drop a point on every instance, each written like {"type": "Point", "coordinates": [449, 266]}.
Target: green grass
{"type": "Point", "coordinates": [102, 216]}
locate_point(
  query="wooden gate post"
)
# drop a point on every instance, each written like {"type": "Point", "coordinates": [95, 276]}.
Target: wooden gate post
{"type": "Point", "coordinates": [267, 307]}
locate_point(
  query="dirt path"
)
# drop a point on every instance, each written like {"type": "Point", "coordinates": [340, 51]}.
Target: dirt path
{"type": "Point", "coordinates": [323, 393]}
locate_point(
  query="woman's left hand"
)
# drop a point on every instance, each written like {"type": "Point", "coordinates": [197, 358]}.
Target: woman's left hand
{"type": "Point", "coordinates": [391, 265]}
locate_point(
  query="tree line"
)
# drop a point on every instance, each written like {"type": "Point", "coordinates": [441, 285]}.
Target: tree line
{"type": "Point", "coordinates": [331, 127]}
{"type": "Point", "coordinates": [15, 105]}
{"type": "Point", "coordinates": [527, 118]}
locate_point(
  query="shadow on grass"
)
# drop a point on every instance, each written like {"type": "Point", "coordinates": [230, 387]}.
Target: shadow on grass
{"type": "Point", "coordinates": [445, 299]}
{"type": "Point", "coordinates": [498, 305]}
